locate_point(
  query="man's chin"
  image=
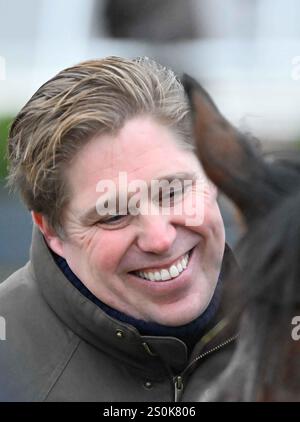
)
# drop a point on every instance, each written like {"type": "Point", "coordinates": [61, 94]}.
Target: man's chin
{"type": "Point", "coordinates": [181, 319]}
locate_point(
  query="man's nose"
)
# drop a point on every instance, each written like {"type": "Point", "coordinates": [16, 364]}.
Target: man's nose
{"type": "Point", "coordinates": [157, 234]}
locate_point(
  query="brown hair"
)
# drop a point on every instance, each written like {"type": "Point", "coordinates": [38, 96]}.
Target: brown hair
{"type": "Point", "coordinates": [93, 97]}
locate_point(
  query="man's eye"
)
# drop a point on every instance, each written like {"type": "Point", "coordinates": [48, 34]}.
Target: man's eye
{"type": "Point", "coordinates": [114, 222]}
{"type": "Point", "coordinates": [175, 194]}
{"type": "Point", "coordinates": [114, 219]}
{"type": "Point", "coordinates": [172, 196]}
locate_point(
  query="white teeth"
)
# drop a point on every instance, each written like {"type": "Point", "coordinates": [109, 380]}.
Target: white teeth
{"type": "Point", "coordinates": [166, 274]}
{"type": "Point", "coordinates": [174, 271]}
{"type": "Point", "coordinates": [151, 276]}
{"type": "Point", "coordinates": [179, 267]}
{"type": "Point", "coordinates": [157, 276]}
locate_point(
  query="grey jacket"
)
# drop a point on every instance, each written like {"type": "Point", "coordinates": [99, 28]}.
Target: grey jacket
{"type": "Point", "coordinates": [60, 346]}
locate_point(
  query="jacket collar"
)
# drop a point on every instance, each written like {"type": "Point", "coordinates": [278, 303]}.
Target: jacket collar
{"type": "Point", "coordinates": [89, 322]}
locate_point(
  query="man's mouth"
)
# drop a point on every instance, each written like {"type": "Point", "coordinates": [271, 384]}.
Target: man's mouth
{"type": "Point", "coordinates": [168, 273]}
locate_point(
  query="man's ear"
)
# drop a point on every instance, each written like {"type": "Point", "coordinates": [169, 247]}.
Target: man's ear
{"type": "Point", "coordinates": [53, 240]}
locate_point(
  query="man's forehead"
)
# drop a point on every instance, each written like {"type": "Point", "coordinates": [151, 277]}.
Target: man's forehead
{"type": "Point", "coordinates": [155, 156]}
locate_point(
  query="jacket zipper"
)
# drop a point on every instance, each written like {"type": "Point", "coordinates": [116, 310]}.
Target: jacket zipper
{"type": "Point", "coordinates": [178, 388]}
{"type": "Point", "coordinates": [178, 380]}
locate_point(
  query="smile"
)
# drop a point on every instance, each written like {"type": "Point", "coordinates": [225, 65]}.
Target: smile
{"type": "Point", "coordinates": [168, 273]}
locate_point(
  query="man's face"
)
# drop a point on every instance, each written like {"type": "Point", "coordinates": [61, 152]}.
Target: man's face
{"type": "Point", "coordinates": [114, 256]}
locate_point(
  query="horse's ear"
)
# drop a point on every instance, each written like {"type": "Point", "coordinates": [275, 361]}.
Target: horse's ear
{"type": "Point", "coordinates": [228, 159]}
{"type": "Point", "coordinates": [217, 141]}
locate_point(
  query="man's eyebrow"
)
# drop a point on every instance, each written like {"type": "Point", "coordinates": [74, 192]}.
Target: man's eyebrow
{"type": "Point", "coordinates": [92, 214]}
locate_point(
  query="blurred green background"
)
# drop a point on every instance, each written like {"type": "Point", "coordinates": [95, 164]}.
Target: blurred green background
{"type": "Point", "coordinates": [15, 221]}
{"type": "Point", "coordinates": [5, 123]}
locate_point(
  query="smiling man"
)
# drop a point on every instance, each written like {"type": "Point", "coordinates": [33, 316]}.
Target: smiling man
{"type": "Point", "coordinates": [114, 306]}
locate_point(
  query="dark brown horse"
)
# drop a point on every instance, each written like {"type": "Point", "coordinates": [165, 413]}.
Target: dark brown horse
{"type": "Point", "coordinates": [266, 364]}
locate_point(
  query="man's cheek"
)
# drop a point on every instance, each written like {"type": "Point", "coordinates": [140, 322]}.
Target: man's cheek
{"type": "Point", "coordinates": [82, 238]}
{"type": "Point", "coordinates": [103, 262]}
{"type": "Point", "coordinates": [191, 210]}
{"type": "Point", "coordinates": [107, 257]}
{"type": "Point", "coordinates": [212, 225]}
